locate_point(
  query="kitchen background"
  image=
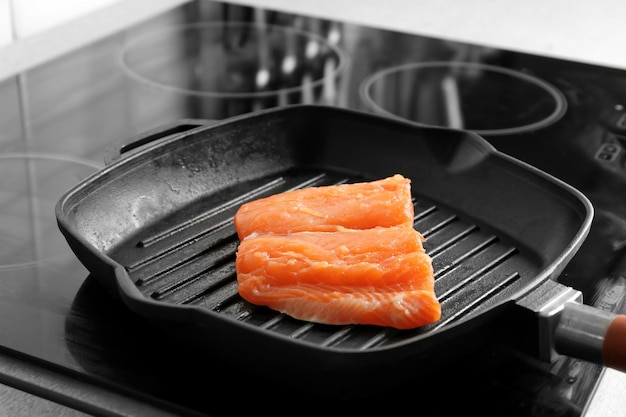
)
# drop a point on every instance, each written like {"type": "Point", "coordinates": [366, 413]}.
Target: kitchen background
{"type": "Point", "coordinates": [35, 33]}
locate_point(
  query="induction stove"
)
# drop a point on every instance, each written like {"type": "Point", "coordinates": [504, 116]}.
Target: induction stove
{"type": "Point", "coordinates": [65, 339]}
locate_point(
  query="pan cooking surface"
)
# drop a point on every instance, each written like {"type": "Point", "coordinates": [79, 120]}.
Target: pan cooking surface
{"type": "Point", "coordinates": [188, 258]}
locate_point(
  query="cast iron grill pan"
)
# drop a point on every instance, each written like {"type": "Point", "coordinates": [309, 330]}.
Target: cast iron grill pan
{"type": "Point", "coordinates": [156, 228]}
{"type": "Point", "coordinates": [192, 262]}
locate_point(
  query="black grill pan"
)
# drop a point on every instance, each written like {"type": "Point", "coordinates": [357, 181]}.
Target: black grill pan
{"type": "Point", "coordinates": [155, 227]}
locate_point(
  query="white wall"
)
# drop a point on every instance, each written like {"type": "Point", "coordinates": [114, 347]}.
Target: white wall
{"type": "Point", "coordinates": [5, 23]}
{"type": "Point", "coordinates": [35, 16]}
{"type": "Point", "coordinates": [35, 31]}
{"type": "Point", "coordinates": [23, 18]}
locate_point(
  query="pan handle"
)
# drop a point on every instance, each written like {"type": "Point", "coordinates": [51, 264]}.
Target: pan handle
{"type": "Point", "coordinates": [591, 334]}
{"type": "Point", "coordinates": [177, 128]}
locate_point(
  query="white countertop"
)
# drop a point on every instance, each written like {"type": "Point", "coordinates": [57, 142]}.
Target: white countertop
{"type": "Point", "coordinates": [584, 31]}
{"type": "Point", "coordinates": [608, 399]}
{"type": "Point", "coordinates": [29, 52]}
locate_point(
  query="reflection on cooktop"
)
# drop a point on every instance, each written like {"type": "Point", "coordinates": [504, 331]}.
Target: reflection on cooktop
{"type": "Point", "coordinates": [486, 99]}
{"type": "Point", "coordinates": [111, 344]}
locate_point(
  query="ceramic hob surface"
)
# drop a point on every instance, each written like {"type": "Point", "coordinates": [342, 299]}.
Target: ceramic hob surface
{"type": "Point", "coordinates": [63, 117]}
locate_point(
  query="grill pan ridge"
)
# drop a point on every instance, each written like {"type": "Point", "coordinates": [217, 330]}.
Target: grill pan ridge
{"type": "Point", "coordinates": [193, 264]}
{"type": "Point", "coordinates": [156, 229]}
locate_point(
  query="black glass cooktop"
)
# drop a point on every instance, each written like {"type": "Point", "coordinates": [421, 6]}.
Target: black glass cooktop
{"type": "Point", "coordinates": [64, 117]}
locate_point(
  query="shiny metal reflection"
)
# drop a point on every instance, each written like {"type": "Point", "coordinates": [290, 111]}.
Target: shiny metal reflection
{"type": "Point", "coordinates": [229, 68]}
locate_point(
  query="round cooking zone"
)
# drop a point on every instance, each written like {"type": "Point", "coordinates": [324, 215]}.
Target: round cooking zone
{"type": "Point", "coordinates": [486, 99]}
{"type": "Point", "coordinates": [229, 68]}
{"type": "Point", "coordinates": [30, 185]}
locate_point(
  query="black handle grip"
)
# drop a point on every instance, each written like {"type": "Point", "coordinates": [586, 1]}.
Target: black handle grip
{"type": "Point", "coordinates": [179, 127]}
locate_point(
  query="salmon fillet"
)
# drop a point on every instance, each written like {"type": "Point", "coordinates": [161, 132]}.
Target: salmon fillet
{"type": "Point", "coordinates": [385, 202]}
{"type": "Point", "coordinates": [380, 276]}
{"type": "Point", "coordinates": [345, 254]}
